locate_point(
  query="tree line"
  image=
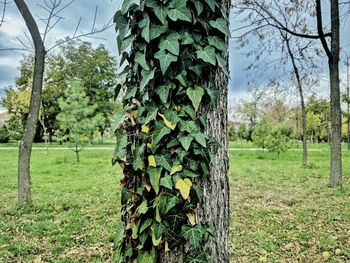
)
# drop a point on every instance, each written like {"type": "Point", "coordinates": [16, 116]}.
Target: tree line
{"type": "Point", "coordinates": [93, 69]}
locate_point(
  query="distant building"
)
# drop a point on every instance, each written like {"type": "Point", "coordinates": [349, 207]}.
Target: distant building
{"type": "Point", "coordinates": [4, 116]}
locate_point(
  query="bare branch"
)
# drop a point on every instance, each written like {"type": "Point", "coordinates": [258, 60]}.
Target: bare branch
{"type": "Point", "coordinates": [2, 20]}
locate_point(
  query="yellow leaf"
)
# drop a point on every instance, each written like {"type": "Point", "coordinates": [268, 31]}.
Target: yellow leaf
{"type": "Point", "coordinates": [155, 241]}
{"type": "Point", "coordinates": [175, 169]}
{"type": "Point", "coordinates": [152, 161]}
{"type": "Point", "coordinates": [184, 186]}
{"type": "Point", "coordinates": [191, 218]}
{"type": "Point", "coordinates": [167, 122]}
{"type": "Point", "coordinates": [166, 246]}
{"type": "Point", "coordinates": [158, 218]}
{"type": "Point", "coordinates": [188, 181]}
{"type": "Point", "coordinates": [148, 187]}
{"type": "Point", "coordinates": [135, 101]}
{"type": "Point", "coordinates": [134, 232]}
{"type": "Point", "coordinates": [145, 128]}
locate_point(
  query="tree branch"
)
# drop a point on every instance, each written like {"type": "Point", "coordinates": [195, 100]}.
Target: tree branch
{"type": "Point", "coordinates": [320, 29]}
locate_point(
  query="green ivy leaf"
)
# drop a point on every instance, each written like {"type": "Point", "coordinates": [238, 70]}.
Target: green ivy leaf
{"type": "Point", "coordinates": [140, 58]}
{"type": "Point", "coordinates": [221, 25]}
{"type": "Point", "coordinates": [160, 159]}
{"type": "Point", "coordinates": [164, 90]}
{"type": "Point", "coordinates": [167, 182]}
{"type": "Point", "coordinates": [121, 24]}
{"type": "Point", "coordinates": [201, 138]}
{"type": "Point", "coordinates": [217, 42]}
{"type": "Point", "coordinates": [197, 69]}
{"type": "Point", "coordinates": [127, 4]}
{"type": "Point", "coordinates": [151, 114]}
{"type": "Point", "coordinates": [211, 4]}
{"type": "Point", "coordinates": [120, 234]}
{"type": "Point", "coordinates": [207, 55]}
{"type": "Point", "coordinates": [199, 7]}
{"type": "Point", "coordinates": [165, 59]}
{"type": "Point", "coordinates": [151, 3]}
{"type": "Point", "coordinates": [182, 78]}
{"type": "Point", "coordinates": [130, 92]}
{"type": "Point", "coordinates": [180, 13]}
{"type": "Point", "coordinates": [125, 43]}
{"type": "Point", "coordinates": [146, 224]}
{"type": "Point", "coordinates": [145, 33]}
{"type": "Point", "coordinates": [186, 38]}
{"type": "Point", "coordinates": [222, 64]}
{"type": "Point", "coordinates": [119, 117]}
{"type": "Point", "coordinates": [213, 94]}
{"type": "Point", "coordinates": [171, 202]}
{"type": "Point", "coordinates": [189, 126]}
{"type": "Point", "coordinates": [138, 162]}
{"type": "Point", "coordinates": [186, 142]}
{"type": "Point", "coordinates": [157, 30]}
{"type": "Point", "coordinates": [147, 75]}
{"type": "Point", "coordinates": [147, 257]}
{"type": "Point", "coordinates": [154, 175]}
{"type": "Point", "coordinates": [143, 208]}
{"type": "Point", "coordinates": [161, 12]}
{"type": "Point", "coordinates": [189, 111]}
{"type": "Point", "coordinates": [195, 94]}
{"type": "Point", "coordinates": [159, 132]}
{"type": "Point", "coordinates": [193, 235]}
{"type": "Point", "coordinates": [170, 43]}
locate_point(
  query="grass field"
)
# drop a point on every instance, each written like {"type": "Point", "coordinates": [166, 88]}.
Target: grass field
{"type": "Point", "coordinates": [280, 212]}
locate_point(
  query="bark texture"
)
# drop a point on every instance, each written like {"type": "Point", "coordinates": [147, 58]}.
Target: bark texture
{"type": "Point", "coordinates": [25, 147]}
{"type": "Point", "coordinates": [335, 179]}
{"type": "Point", "coordinates": [215, 206]}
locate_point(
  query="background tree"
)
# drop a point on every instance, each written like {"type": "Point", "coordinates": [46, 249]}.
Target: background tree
{"type": "Point", "coordinates": [313, 124]}
{"type": "Point", "coordinates": [269, 16]}
{"type": "Point", "coordinates": [278, 140]}
{"type": "Point", "coordinates": [294, 67]}
{"type": "Point", "coordinates": [77, 116]}
{"type": "Point", "coordinates": [261, 134]}
{"type": "Point", "coordinates": [53, 9]}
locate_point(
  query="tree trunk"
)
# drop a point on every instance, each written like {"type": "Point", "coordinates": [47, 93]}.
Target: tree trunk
{"type": "Point", "coordinates": [25, 147]}
{"type": "Point", "coordinates": [335, 179]}
{"type": "Point", "coordinates": [302, 102]}
{"type": "Point", "coordinates": [215, 206]}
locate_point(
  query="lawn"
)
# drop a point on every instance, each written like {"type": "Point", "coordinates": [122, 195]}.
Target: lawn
{"type": "Point", "coordinates": [280, 211]}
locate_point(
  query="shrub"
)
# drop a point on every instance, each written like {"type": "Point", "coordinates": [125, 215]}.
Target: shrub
{"type": "Point", "coordinates": [4, 135]}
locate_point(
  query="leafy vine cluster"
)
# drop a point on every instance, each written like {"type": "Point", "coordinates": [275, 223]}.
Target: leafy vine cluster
{"type": "Point", "coordinates": [176, 47]}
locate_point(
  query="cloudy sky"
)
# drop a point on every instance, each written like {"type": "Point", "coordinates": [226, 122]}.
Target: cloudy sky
{"type": "Point", "coordinates": [14, 28]}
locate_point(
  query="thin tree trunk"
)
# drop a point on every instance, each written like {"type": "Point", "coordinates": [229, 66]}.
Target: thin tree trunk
{"type": "Point", "coordinates": [25, 147]}
{"type": "Point", "coordinates": [302, 102]}
{"type": "Point", "coordinates": [335, 179]}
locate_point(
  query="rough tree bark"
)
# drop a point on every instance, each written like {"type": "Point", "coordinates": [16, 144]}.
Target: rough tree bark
{"type": "Point", "coordinates": [335, 179]}
{"type": "Point", "coordinates": [25, 147]}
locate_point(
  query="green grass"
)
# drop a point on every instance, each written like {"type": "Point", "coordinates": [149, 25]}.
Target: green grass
{"type": "Point", "coordinates": [280, 212]}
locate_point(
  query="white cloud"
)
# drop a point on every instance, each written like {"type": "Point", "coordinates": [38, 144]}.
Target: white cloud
{"type": "Point", "coordinates": [13, 26]}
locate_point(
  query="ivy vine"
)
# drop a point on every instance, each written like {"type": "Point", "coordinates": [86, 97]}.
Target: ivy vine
{"type": "Point", "coordinates": [176, 47]}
